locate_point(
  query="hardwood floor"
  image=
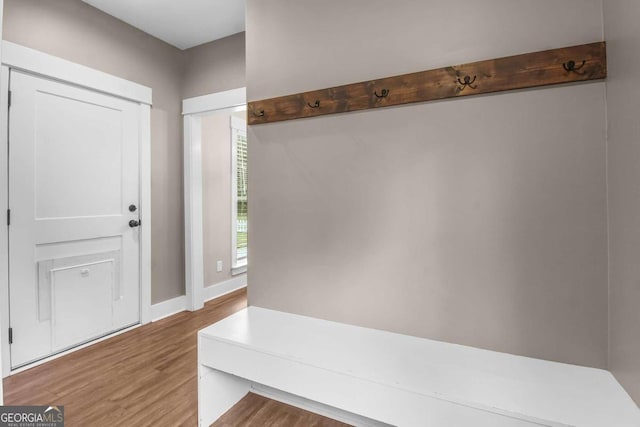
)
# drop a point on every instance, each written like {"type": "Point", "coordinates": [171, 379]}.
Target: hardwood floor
{"type": "Point", "coordinates": [254, 410]}
{"type": "Point", "coordinates": [143, 377]}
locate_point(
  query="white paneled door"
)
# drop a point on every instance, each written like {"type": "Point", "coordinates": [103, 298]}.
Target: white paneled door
{"type": "Point", "coordinates": [74, 232]}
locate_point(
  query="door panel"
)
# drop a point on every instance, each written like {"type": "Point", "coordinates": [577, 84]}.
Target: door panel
{"type": "Point", "coordinates": [70, 154]}
{"type": "Point", "coordinates": [73, 172]}
{"type": "Point", "coordinates": [74, 321]}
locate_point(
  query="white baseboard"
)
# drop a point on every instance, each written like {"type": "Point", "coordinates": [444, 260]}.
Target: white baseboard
{"type": "Point", "coordinates": [176, 305]}
{"type": "Point", "coordinates": [223, 288]}
{"type": "Point", "coordinates": [169, 307]}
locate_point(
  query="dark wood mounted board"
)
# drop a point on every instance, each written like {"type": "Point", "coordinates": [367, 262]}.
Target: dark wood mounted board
{"type": "Point", "coordinates": [549, 67]}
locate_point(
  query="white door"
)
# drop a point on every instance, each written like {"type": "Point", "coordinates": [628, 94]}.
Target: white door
{"type": "Point", "coordinates": [73, 190]}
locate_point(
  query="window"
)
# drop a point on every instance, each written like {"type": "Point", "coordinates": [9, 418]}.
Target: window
{"type": "Point", "coordinates": [239, 201]}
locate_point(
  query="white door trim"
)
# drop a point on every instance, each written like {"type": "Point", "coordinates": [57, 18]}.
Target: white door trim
{"type": "Point", "coordinates": [48, 66]}
{"type": "Point", "coordinates": [4, 234]}
{"type": "Point", "coordinates": [193, 227]}
{"type": "Point", "coordinates": [193, 109]}
{"type": "Point", "coordinates": [4, 237]}
{"type": "Point", "coordinates": [215, 101]}
{"type": "Point", "coordinates": [40, 63]}
{"type": "Point", "coordinates": [145, 213]}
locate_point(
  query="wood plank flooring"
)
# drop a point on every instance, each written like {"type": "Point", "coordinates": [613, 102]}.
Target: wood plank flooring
{"type": "Point", "coordinates": [254, 410]}
{"type": "Point", "coordinates": [140, 378]}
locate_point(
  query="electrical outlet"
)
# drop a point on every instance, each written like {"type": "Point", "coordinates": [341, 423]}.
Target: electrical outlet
{"type": "Point", "coordinates": [219, 266]}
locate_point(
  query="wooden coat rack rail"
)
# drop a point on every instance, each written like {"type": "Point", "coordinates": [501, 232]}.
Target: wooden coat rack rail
{"type": "Point", "coordinates": [549, 67]}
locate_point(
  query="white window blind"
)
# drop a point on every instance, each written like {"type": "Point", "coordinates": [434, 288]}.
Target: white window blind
{"type": "Point", "coordinates": [240, 202]}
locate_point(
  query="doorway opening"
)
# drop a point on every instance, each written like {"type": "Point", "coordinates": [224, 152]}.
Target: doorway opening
{"type": "Point", "coordinates": [216, 196]}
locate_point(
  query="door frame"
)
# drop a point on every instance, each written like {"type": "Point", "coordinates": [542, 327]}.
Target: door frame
{"type": "Point", "coordinates": [192, 110]}
{"type": "Point", "coordinates": [21, 58]}
{"type": "Point", "coordinates": [4, 236]}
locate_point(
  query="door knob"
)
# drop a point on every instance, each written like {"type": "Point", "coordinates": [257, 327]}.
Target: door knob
{"type": "Point", "coordinates": [133, 223]}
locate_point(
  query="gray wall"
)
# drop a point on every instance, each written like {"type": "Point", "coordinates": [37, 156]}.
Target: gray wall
{"type": "Point", "coordinates": [216, 196]}
{"type": "Point", "coordinates": [623, 149]}
{"type": "Point", "coordinates": [479, 221]}
{"type": "Point", "coordinates": [214, 67]}
{"type": "Point", "coordinates": [75, 31]}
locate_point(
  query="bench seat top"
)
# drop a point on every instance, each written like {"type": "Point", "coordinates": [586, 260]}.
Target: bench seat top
{"type": "Point", "coordinates": [536, 389]}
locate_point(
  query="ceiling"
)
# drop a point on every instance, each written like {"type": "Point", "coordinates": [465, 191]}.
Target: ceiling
{"type": "Point", "coordinates": [183, 23]}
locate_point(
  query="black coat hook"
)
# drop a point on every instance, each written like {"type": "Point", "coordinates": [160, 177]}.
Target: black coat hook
{"type": "Point", "coordinates": [468, 81]}
{"type": "Point", "coordinates": [259, 113]}
{"type": "Point", "coordinates": [570, 67]}
{"type": "Point", "coordinates": [315, 105]}
{"type": "Point", "coordinates": [385, 93]}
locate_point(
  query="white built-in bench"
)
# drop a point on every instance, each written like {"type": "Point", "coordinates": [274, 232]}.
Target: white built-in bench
{"type": "Point", "coordinates": [370, 377]}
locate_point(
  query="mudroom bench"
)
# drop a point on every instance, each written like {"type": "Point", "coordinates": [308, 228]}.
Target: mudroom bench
{"type": "Point", "coordinates": [369, 377]}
